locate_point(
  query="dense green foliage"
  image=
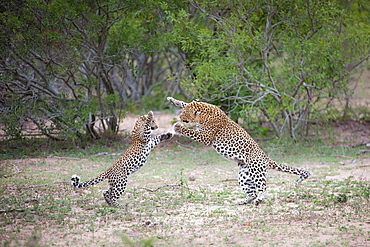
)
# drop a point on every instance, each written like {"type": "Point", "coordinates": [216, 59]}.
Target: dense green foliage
{"type": "Point", "coordinates": [74, 68]}
{"type": "Point", "coordinates": [278, 57]}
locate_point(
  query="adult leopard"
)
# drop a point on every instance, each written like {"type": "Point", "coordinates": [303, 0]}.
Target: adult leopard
{"type": "Point", "coordinates": [231, 141]}
{"type": "Point", "coordinates": [131, 161]}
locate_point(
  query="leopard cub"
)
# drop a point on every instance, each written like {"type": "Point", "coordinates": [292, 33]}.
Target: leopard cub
{"type": "Point", "coordinates": [131, 161]}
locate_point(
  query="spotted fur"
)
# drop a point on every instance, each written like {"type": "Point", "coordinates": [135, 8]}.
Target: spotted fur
{"type": "Point", "coordinates": [131, 161]}
{"type": "Point", "coordinates": [232, 142]}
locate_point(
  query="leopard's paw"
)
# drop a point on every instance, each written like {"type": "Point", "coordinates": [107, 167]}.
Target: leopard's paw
{"type": "Point", "coordinates": [150, 114]}
{"type": "Point", "coordinates": [177, 127]}
{"type": "Point", "coordinates": [166, 136]}
{"type": "Point", "coordinates": [247, 200]}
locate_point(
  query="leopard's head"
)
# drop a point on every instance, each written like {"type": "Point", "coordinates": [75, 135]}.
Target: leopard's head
{"type": "Point", "coordinates": [141, 126]}
{"type": "Point", "coordinates": [202, 113]}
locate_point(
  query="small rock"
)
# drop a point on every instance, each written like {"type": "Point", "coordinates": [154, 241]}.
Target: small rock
{"type": "Point", "coordinates": [149, 223]}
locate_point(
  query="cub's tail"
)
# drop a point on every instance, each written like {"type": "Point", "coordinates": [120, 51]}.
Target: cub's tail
{"type": "Point", "coordinates": [302, 174]}
{"type": "Point", "coordinates": [75, 181]}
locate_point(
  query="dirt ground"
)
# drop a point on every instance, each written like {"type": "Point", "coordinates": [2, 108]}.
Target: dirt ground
{"type": "Point", "coordinates": [185, 196]}
{"type": "Point", "coordinates": [180, 218]}
{"type": "Point", "coordinates": [331, 208]}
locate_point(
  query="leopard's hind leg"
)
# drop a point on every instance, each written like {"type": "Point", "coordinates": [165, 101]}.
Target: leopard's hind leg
{"type": "Point", "coordinates": [117, 187]}
{"type": "Point", "coordinates": [258, 174]}
{"type": "Point", "coordinates": [252, 179]}
{"type": "Point", "coordinates": [247, 183]}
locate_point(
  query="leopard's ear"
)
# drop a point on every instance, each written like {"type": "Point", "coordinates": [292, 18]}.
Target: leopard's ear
{"type": "Point", "coordinates": [176, 102]}
{"type": "Point", "coordinates": [150, 114]}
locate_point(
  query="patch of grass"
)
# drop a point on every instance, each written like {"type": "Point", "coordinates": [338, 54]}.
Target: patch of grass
{"type": "Point", "coordinates": [286, 151]}
{"type": "Point", "coordinates": [127, 241]}
{"type": "Point", "coordinates": [200, 208]}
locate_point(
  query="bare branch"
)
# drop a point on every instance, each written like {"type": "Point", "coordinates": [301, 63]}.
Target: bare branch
{"type": "Point", "coordinates": [161, 187]}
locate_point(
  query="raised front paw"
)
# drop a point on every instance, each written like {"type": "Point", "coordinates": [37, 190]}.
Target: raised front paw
{"type": "Point", "coordinates": [166, 136]}
{"type": "Point", "coordinates": [177, 127]}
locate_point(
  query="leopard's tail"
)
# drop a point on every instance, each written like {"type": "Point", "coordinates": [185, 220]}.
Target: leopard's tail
{"type": "Point", "coordinates": [284, 168]}
{"type": "Point", "coordinates": [75, 181]}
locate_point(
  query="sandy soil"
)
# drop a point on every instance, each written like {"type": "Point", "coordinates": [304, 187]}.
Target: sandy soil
{"type": "Point", "coordinates": [288, 221]}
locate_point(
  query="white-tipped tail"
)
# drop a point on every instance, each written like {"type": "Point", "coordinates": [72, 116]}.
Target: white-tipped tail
{"type": "Point", "coordinates": [75, 180]}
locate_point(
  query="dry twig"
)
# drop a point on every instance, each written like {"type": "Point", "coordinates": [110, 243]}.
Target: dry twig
{"type": "Point", "coordinates": [3, 211]}
{"type": "Point", "coordinates": [160, 187]}
{"type": "Point", "coordinates": [185, 146]}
